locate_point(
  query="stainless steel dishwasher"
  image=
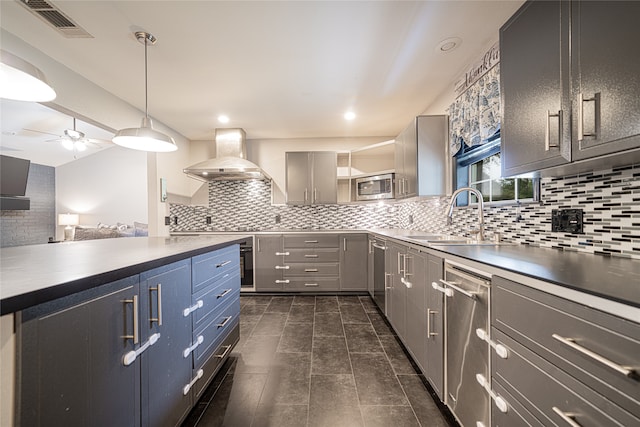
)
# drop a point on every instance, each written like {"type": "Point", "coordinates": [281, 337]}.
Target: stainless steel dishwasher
{"type": "Point", "coordinates": [379, 274]}
{"type": "Point", "coordinates": [467, 356]}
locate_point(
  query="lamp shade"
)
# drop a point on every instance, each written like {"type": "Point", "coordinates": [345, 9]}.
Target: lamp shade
{"type": "Point", "coordinates": [22, 81]}
{"type": "Point", "coordinates": [68, 219]}
{"type": "Point", "coordinates": [145, 138]}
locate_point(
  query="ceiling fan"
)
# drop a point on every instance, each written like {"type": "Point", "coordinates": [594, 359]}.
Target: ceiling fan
{"type": "Point", "coordinates": [73, 139]}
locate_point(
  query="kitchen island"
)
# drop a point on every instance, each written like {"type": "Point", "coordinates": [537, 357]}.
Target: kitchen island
{"type": "Point", "coordinates": [123, 331]}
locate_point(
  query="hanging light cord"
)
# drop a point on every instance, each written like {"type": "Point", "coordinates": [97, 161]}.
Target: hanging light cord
{"type": "Point", "coordinates": [146, 88]}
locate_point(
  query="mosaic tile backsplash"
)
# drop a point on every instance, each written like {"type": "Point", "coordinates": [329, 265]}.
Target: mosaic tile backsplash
{"type": "Point", "coordinates": [610, 200]}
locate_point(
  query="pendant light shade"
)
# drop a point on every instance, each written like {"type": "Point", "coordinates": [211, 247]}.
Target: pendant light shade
{"type": "Point", "coordinates": [22, 81]}
{"type": "Point", "coordinates": [145, 138]}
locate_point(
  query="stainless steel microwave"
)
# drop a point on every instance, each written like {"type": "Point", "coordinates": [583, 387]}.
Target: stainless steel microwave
{"type": "Point", "coordinates": [375, 187]}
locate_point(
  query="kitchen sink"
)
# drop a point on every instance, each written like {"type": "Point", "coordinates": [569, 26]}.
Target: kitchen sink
{"type": "Point", "coordinates": [445, 239]}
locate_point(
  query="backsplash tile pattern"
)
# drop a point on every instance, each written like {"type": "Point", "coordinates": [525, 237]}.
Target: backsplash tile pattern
{"type": "Point", "coordinates": [610, 200]}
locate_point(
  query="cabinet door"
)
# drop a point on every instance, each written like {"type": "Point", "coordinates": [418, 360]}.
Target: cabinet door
{"type": "Point", "coordinates": [165, 293]}
{"type": "Point", "coordinates": [416, 319]}
{"type": "Point", "coordinates": [398, 289]}
{"type": "Point", "coordinates": [534, 56]}
{"type": "Point", "coordinates": [268, 253]}
{"type": "Point", "coordinates": [353, 262]}
{"type": "Point", "coordinates": [399, 163]}
{"type": "Point", "coordinates": [71, 354]}
{"type": "Point", "coordinates": [324, 178]}
{"type": "Point", "coordinates": [410, 154]}
{"type": "Point", "coordinates": [435, 327]}
{"type": "Point", "coordinates": [297, 178]}
{"type": "Point", "coordinates": [370, 266]}
{"type": "Point", "coordinates": [606, 83]}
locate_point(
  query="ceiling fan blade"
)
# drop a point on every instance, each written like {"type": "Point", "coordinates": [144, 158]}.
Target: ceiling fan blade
{"type": "Point", "coordinates": [41, 132]}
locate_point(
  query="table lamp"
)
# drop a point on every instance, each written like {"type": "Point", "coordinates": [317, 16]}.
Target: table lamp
{"type": "Point", "coordinates": [68, 220]}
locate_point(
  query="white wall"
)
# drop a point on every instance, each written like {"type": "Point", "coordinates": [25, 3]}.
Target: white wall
{"type": "Point", "coordinates": [109, 187]}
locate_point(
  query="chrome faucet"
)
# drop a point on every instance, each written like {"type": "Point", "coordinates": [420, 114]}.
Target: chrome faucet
{"type": "Point", "coordinates": [480, 209]}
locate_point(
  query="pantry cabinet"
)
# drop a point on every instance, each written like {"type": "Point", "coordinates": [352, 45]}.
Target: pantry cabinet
{"type": "Point", "coordinates": [569, 84]}
{"type": "Point", "coordinates": [311, 177]}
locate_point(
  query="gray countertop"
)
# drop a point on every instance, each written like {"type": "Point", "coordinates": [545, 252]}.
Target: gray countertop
{"type": "Point", "coordinates": [33, 274]}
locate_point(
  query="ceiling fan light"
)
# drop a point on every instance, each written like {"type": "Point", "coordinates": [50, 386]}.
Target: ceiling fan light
{"type": "Point", "coordinates": [73, 134]}
{"type": "Point", "coordinates": [22, 81]}
{"type": "Point", "coordinates": [145, 138]}
{"type": "Point", "coordinates": [67, 143]}
{"type": "Point", "coordinates": [80, 146]}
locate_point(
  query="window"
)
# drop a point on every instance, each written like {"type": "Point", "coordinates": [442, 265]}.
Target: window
{"type": "Point", "coordinates": [479, 167]}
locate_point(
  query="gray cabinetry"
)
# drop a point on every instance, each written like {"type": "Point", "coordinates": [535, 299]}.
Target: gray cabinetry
{"type": "Point", "coordinates": [311, 262]}
{"type": "Point", "coordinates": [311, 177]}
{"type": "Point", "coordinates": [570, 89]}
{"type": "Point", "coordinates": [420, 157]}
{"type": "Point", "coordinates": [269, 263]}
{"type": "Point", "coordinates": [396, 301]}
{"type": "Point", "coordinates": [354, 250]}
{"type": "Point", "coordinates": [434, 331]}
{"type": "Point", "coordinates": [416, 307]}
{"type": "Point", "coordinates": [564, 359]}
{"type": "Point", "coordinates": [71, 350]}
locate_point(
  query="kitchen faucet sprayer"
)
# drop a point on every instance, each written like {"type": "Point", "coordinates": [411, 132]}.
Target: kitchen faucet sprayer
{"type": "Point", "coordinates": [452, 204]}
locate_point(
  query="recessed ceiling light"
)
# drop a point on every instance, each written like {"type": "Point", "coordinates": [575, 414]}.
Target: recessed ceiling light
{"type": "Point", "coordinates": [447, 45]}
{"type": "Point", "coordinates": [223, 118]}
{"type": "Point", "coordinates": [349, 115]}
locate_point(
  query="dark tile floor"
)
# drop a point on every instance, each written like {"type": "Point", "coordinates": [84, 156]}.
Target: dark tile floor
{"type": "Point", "coordinates": [315, 361]}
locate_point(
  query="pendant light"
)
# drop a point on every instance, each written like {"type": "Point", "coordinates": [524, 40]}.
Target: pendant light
{"type": "Point", "coordinates": [22, 81]}
{"type": "Point", "coordinates": [145, 138]}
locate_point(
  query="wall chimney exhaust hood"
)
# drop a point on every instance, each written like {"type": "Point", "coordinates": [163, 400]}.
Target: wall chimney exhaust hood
{"type": "Point", "coordinates": [231, 162]}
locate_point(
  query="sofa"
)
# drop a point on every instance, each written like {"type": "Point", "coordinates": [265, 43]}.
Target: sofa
{"type": "Point", "coordinates": [106, 231]}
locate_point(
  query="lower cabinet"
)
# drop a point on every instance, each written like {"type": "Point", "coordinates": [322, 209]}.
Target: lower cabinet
{"type": "Point", "coordinates": [269, 263]}
{"type": "Point", "coordinates": [416, 312]}
{"type": "Point", "coordinates": [396, 302]}
{"type": "Point", "coordinates": [434, 331]}
{"type": "Point", "coordinates": [123, 353]}
{"type": "Point", "coordinates": [354, 249]}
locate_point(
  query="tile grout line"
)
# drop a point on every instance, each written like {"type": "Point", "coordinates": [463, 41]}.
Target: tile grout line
{"type": "Point", "coordinates": [351, 363]}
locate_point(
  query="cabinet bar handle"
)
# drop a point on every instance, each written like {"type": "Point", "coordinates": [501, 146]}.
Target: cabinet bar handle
{"type": "Point", "coordinates": [310, 256]}
{"type": "Point", "coordinates": [315, 195]}
{"type": "Point", "coordinates": [399, 263]}
{"type": "Point", "coordinates": [311, 241]}
{"type": "Point", "coordinates": [344, 244]}
{"type": "Point", "coordinates": [448, 292]}
{"type": "Point", "coordinates": [568, 418]}
{"type": "Point", "coordinates": [501, 350]}
{"type": "Point", "coordinates": [187, 387]}
{"type": "Point", "coordinates": [282, 254]}
{"type": "Point", "coordinates": [310, 270]}
{"type": "Point", "coordinates": [429, 313]}
{"type": "Point", "coordinates": [282, 267]}
{"type": "Point", "coordinates": [370, 246]}
{"type": "Point", "coordinates": [547, 133]}
{"type": "Point", "coordinates": [501, 404]}
{"type": "Point", "coordinates": [133, 301]}
{"type": "Point", "coordinates": [226, 291]}
{"type": "Point", "coordinates": [305, 195]}
{"type": "Point", "coordinates": [386, 286]}
{"type": "Point", "coordinates": [258, 244]}
{"type": "Point", "coordinates": [187, 351]}
{"type": "Point", "coordinates": [223, 355]}
{"type": "Point", "coordinates": [131, 356]}
{"type": "Point", "coordinates": [375, 245]}
{"type": "Point", "coordinates": [224, 322]}
{"type": "Point", "coordinates": [222, 264]}
{"type": "Point", "coordinates": [283, 281]}
{"type": "Point", "coordinates": [311, 284]}
{"type": "Point", "coordinates": [158, 319]}
{"type": "Point", "coordinates": [624, 370]}
{"type": "Point", "coordinates": [458, 289]}
{"type": "Point", "coordinates": [581, 100]}
{"type": "Point", "coordinates": [194, 307]}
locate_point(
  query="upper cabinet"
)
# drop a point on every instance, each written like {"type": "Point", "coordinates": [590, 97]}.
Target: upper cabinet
{"type": "Point", "coordinates": [311, 177]}
{"type": "Point", "coordinates": [420, 158]}
{"type": "Point", "coordinates": [570, 87]}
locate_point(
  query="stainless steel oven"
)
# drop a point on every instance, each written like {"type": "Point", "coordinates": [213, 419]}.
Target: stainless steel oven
{"type": "Point", "coordinates": [376, 187]}
{"type": "Point", "coordinates": [246, 264]}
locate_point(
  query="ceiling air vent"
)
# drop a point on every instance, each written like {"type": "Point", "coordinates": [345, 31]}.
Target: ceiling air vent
{"type": "Point", "coordinates": [55, 17]}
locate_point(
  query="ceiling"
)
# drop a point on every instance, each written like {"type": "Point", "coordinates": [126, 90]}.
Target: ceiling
{"type": "Point", "coordinates": [278, 69]}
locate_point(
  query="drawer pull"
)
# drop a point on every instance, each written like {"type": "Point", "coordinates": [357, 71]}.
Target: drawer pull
{"type": "Point", "coordinates": [187, 387]}
{"type": "Point", "coordinates": [311, 241]}
{"type": "Point", "coordinates": [310, 270]}
{"type": "Point", "coordinates": [311, 256]}
{"type": "Point", "coordinates": [283, 281]}
{"type": "Point", "coordinates": [624, 370]}
{"type": "Point", "coordinates": [282, 253]}
{"type": "Point", "coordinates": [375, 245]}
{"type": "Point", "coordinates": [311, 284]}
{"type": "Point", "coordinates": [222, 264]}
{"type": "Point", "coordinates": [405, 282]}
{"type": "Point", "coordinates": [447, 291]}
{"type": "Point", "coordinates": [194, 307]}
{"type": "Point", "coordinates": [187, 351]}
{"type": "Point", "coordinates": [224, 322]}
{"type": "Point", "coordinates": [500, 349]}
{"type": "Point", "coordinates": [226, 291]}
{"type": "Point", "coordinates": [131, 356]}
{"type": "Point", "coordinates": [223, 355]}
{"type": "Point", "coordinates": [568, 418]}
{"type": "Point", "coordinates": [282, 267]}
{"type": "Point", "coordinates": [134, 301]}
{"type": "Point", "coordinates": [501, 404]}
{"type": "Point", "coordinates": [453, 286]}
{"type": "Point", "coordinates": [158, 290]}
{"type": "Point", "coordinates": [429, 313]}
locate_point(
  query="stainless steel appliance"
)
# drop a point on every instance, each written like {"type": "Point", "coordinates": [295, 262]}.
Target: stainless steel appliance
{"type": "Point", "coordinates": [376, 187]}
{"type": "Point", "coordinates": [467, 356]}
{"type": "Point", "coordinates": [246, 264]}
{"type": "Point", "coordinates": [379, 274]}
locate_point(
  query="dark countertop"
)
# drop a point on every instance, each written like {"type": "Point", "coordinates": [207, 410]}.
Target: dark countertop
{"type": "Point", "coordinates": [37, 273]}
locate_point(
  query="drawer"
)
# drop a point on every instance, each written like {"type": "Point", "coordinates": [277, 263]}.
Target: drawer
{"type": "Point", "coordinates": [211, 366]}
{"type": "Point", "coordinates": [312, 255]}
{"type": "Point", "coordinates": [541, 386]}
{"type": "Point", "coordinates": [209, 335]}
{"type": "Point", "coordinates": [311, 241]}
{"type": "Point", "coordinates": [539, 321]}
{"type": "Point", "coordinates": [516, 416]}
{"type": "Point", "coordinates": [311, 270]}
{"type": "Point", "coordinates": [213, 265]}
{"type": "Point", "coordinates": [312, 284]}
{"type": "Point", "coordinates": [206, 302]}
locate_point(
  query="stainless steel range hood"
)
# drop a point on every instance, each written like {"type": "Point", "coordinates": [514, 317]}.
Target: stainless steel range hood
{"type": "Point", "coordinates": [230, 163]}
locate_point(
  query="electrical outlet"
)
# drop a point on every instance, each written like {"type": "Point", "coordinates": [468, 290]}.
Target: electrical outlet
{"type": "Point", "coordinates": [278, 219]}
{"type": "Point", "coordinates": [567, 221]}
{"type": "Point", "coordinates": [175, 220]}
{"type": "Point", "coordinates": [410, 219]}
{"type": "Point", "coordinates": [167, 220]}
{"type": "Point", "coordinates": [208, 219]}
